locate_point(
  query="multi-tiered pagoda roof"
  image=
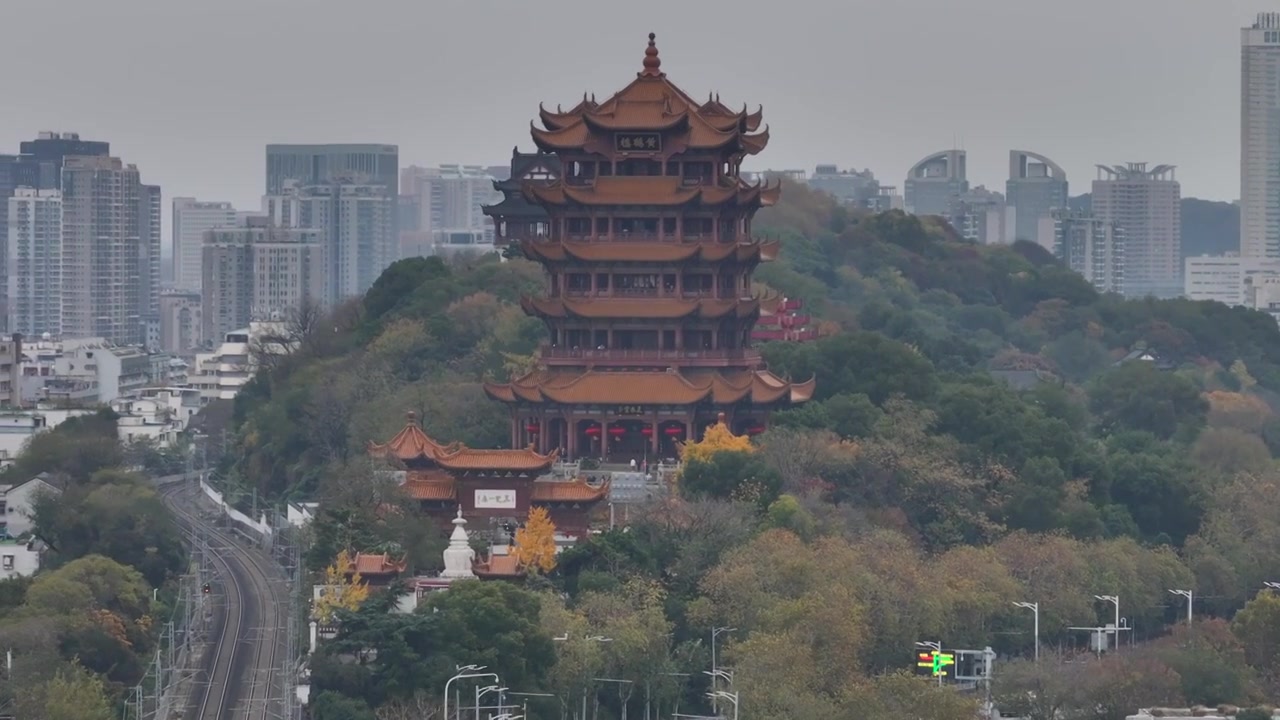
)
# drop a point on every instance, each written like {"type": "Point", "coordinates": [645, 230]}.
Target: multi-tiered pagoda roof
{"type": "Point", "coordinates": [645, 234]}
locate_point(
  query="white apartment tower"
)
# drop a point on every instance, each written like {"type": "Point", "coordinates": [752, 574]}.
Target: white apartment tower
{"type": "Point", "coordinates": [191, 218]}
{"type": "Point", "coordinates": [355, 223]}
{"type": "Point", "coordinates": [34, 268]}
{"type": "Point", "coordinates": [1260, 138]}
{"type": "Point", "coordinates": [258, 272]}
{"type": "Point", "coordinates": [447, 200]}
{"type": "Point", "coordinates": [1147, 205]}
{"type": "Point", "coordinates": [108, 242]}
{"type": "Point", "coordinates": [1090, 246]}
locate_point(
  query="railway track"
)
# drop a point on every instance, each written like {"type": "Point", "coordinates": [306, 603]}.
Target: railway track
{"type": "Point", "coordinates": [240, 681]}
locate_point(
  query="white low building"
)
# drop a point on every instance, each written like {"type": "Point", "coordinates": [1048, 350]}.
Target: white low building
{"type": "Point", "coordinates": [17, 504]}
{"type": "Point", "coordinates": [1225, 278]}
{"type": "Point", "coordinates": [17, 427]}
{"type": "Point", "coordinates": [221, 374]}
{"type": "Point", "coordinates": [19, 558]}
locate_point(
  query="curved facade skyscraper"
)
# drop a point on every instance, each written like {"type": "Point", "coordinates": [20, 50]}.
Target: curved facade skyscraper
{"type": "Point", "coordinates": [1036, 187]}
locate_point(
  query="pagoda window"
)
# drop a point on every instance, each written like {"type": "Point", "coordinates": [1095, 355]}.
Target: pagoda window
{"type": "Point", "coordinates": [728, 229]}
{"type": "Point", "coordinates": [577, 170]}
{"type": "Point", "coordinates": [696, 283]}
{"type": "Point", "coordinates": [578, 282]}
{"type": "Point", "coordinates": [697, 340]}
{"type": "Point", "coordinates": [673, 168]}
{"type": "Point", "coordinates": [669, 226]}
{"type": "Point", "coordinates": [635, 340]}
{"type": "Point", "coordinates": [602, 282]}
{"type": "Point", "coordinates": [637, 284]}
{"type": "Point", "coordinates": [601, 340]}
{"type": "Point", "coordinates": [602, 226]}
{"type": "Point", "coordinates": [647, 227]}
{"type": "Point", "coordinates": [606, 168]}
{"type": "Point", "coordinates": [578, 338]}
{"type": "Point", "coordinates": [639, 166]}
{"type": "Point", "coordinates": [727, 285]}
{"type": "Point", "coordinates": [578, 227]}
{"type": "Point", "coordinates": [697, 173]}
{"type": "Point", "coordinates": [697, 227]}
{"type": "Point", "coordinates": [668, 340]}
{"type": "Point", "coordinates": [669, 284]}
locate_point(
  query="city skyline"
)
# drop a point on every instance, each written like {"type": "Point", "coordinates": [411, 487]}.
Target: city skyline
{"type": "Point", "coordinates": [1044, 95]}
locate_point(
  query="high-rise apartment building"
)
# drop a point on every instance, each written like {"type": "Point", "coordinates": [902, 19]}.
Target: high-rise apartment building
{"type": "Point", "coordinates": [258, 272]}
{"type": "Point", "coordinates": [190, 219]}
{"type": "Point", "coordinates": [855, 188]}
{"type": "Point", "coordinates": [1088, 245]}
{"type": "Point", "coordinates": [1260, 138]}
{"type": "Point", "coordinates": [356, 228]}
{"type": "Point", "coordinates": [370, 164]}
{"type": "Point", "coordinates": [1146, 204]}
{"type": "Point", "coordinates": [1036, 187]}
{"type": "Point", "coordinates": [48, 151]}
{"type": "Point", "coordinates": [181, 322]}
{"type": "Point", "coordinates": [34, 262]}
{"type": "Point", "coordinates": [150, 237]}
{"type": "Point", "coordinates": [110, 233]}
{"type": "Point", "coordinates": [980, 215]}
{"type": "Point", "coordinates": [448, 201]}
{"type": "Point", "coordinates": [934, 184]}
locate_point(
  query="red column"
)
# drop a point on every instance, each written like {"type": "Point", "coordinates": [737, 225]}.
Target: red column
{"type": "Point", "coordinates": [515, 429]}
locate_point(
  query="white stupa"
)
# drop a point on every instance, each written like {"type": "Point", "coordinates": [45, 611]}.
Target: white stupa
{"type": "Point", "coordinates": [459, 556]}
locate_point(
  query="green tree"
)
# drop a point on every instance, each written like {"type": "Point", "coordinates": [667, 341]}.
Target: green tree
{"type": "Point", "coordinates": [1138, 396]}
{"type": "Point", "coordinates": [1257, 625]}
{"type": "Point", "coordinates": [71, 694]}
{"type": "Point", "coordinates": [495, 625]}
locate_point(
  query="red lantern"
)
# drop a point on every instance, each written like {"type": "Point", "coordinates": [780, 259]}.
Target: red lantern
{"type": "Point", "coordinates": [532, 428]}
{"type": "Point", "coordinates": [617, 431]}
{"type": "Point", "coordinates": [755, 429]}
{"type": "Point", "coordinates": [593, 430]}
{"type": "Point", "coordinates": [646, 431]}
{"type": "Point", "coordinates": [674, 431]}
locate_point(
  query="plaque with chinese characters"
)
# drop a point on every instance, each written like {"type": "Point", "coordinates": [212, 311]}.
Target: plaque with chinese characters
{"type": "Point", "coordinates": [629, 410]}
{"type": "Point", "coordinates": [637, 142]}
{"type": "Point", "coordinates": [495, 499]}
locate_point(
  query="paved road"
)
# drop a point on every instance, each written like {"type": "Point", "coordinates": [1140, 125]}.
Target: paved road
{"type": "Point", "coordinates": [242, 679]}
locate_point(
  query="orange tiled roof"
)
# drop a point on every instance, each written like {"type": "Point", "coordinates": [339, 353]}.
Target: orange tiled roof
{"type": "Point", "coordinates": [646, 251]}
{"type": "Point", "coordinates": [721, 387]}
{"type": "Point", "coordinates": [649, 308]}
{"type": "Point", "coordinates": [413, 445]}
{"type": "Point", "coordinates": [574, 491]}
{"type": "Point", "coordinates": [651, 103]}
{"type": "Point", "coordinates": [498, 566]}
{"type": "Point", "coordinates": [431, 489]}
{"type": "Point", "coordinates": [382, 564]}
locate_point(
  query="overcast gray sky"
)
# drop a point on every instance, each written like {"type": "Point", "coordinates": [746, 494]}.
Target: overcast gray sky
{"type": "Point", "coordinates": [191, 91]}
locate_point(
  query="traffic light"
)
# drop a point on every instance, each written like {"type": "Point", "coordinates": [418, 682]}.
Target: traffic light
{"type": "Point", "coordinates": [207, 589]}
{"type": "Point", "coordinates": [934, 663]}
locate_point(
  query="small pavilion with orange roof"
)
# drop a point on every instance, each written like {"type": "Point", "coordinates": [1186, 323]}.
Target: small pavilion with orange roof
{"type": "Point", "coordinates": [498, 484]}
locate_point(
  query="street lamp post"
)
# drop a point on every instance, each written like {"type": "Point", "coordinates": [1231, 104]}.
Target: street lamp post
{"type": "Point", "coordinates": [466, 671]}
{"type": "Point", "coordinates": [715, 632]}
{"type": "Point", "coordinates": [726, 695]}
{"type": "Point", "coordinates": [482, 691]}
{"type": "Point", "coordinates": [1186, 594]}
{"type": "Point", "coordinates": [1114, 600]}
{"type": "Point", "coordinates": [1034, 607]}
{"type": "Point", "coordinates": [585, 685]}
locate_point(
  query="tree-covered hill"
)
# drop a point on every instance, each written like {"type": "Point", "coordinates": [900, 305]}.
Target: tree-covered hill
{"type": "Point", "coordinates": [987, 428]}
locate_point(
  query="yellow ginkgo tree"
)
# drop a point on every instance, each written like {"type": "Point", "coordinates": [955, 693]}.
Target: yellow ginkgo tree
{"type": "Point", "coordinates": [344, 589]}
{"type": "Point", "coordinates": [717, 438]}
{"type": "Point", "coordinates": [536, 542]}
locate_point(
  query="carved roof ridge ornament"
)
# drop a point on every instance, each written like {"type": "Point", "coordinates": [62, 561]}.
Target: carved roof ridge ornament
{"type": "Point", "coordinates": [651, 60]}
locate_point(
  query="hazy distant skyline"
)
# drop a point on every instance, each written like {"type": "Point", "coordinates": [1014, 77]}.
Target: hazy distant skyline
{"type": "Point", "coordinates": [192, 93]}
